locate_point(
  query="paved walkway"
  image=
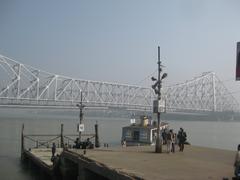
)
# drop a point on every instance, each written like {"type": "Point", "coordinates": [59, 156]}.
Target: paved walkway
{"type": "Point", "coordinates": [193, 163]}
{"type": "Point", "coordinates": [45, 154]}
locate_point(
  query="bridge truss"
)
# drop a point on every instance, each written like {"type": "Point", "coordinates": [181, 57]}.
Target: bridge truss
{"type": "Point", "coordinates": [23, 85]}
{"type": "Point", "coordinates": [203, 93]}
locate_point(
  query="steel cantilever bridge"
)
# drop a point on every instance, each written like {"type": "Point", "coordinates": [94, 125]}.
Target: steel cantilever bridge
{"type": "Point", "coordinates": [23, 85]}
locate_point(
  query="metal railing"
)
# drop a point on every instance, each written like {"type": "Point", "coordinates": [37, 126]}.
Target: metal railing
{"type": "Point", "coordinates": [29, 141]}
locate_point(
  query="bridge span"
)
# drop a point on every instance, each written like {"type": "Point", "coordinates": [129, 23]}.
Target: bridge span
{"type": "Point", "coordinates": [25, 86]}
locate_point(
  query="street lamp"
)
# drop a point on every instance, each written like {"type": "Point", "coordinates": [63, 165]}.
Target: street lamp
{"type": "Point", "coordinates": [81, 107]}
{"type": "Point", "coordinates": [157, 89]}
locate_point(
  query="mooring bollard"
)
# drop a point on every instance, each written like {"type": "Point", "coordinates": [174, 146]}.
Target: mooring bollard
{"type": "Point", "coordinates": [22, 143]}
{"type": "Point", "coordinates": [37, 144]}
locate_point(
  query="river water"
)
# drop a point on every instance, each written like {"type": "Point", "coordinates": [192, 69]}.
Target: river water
{"type": "Point", "coordinates": [215, 134]}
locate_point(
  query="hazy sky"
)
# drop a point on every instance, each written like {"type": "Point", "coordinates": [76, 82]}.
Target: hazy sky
{"type": "Point", "coordinates": [117, 41]}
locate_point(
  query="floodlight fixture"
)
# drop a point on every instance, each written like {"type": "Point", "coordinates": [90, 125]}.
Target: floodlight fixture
{"type": "Point", "coordinates": [153, 78]}
{"type": "Point", "coordinates": [164, 76]}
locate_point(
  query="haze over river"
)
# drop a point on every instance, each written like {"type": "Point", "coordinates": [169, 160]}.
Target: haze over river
{"type": "Point", "coordinates": [216, 134]}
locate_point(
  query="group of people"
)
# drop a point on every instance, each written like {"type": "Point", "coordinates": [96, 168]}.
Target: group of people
{"type": "Point", "coordinates": [170, 139]}
{"type": "Point", "coordinates": [87, 144]}
{"type": "Point", "coordinates": [83, 144]}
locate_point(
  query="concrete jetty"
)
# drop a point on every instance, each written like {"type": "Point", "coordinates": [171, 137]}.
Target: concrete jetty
{"type": "Point", "coordinates": [139, 163]}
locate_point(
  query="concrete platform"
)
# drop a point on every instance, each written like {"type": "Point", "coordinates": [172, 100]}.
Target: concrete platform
{"type": "Point", "coordinates": [142, 163]}
{"type": "Point", "coordinates": [193, 163]}
{"type": "Point", "coordinates": [44, 154]}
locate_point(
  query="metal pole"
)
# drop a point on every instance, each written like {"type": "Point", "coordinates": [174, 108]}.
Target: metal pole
{"type": "Point", "coordinates": [158, 148]}
{"type": "Point", "coordinates": [214, 92]}
{"type": "Point", "coordinates": [97, 144]}
{"type": "Point", "coordinates": [61, 136]}
{"type": "Point", "coordinates": [81, 114]}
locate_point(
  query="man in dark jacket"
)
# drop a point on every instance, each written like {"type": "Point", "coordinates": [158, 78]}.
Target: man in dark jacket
{"type": "Point", "coordinates": [182, 137]}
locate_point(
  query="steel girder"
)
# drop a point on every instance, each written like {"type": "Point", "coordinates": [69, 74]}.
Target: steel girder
{"type": "Point", "coordinates": [203, 93]}
{"type": "Point", "coordinates": [24, 85]}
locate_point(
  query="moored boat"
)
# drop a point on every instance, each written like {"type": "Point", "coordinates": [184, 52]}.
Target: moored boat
{"type": "Point", "coordinates": [143, 133]}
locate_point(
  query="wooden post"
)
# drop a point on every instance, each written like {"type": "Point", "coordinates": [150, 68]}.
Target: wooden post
{"type": "Point", "coordinates": [97, 144]}
{"type": "Point", "coordinates": [22, 142]}
{"type": "Point", "coordinates": [61, 143]}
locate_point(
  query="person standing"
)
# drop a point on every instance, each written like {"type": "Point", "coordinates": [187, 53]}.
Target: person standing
{"type": "Point", "coordinates": [124, 143]}
{"type": "Point", "coordinates": [164, 136]}
{"type": "Point", "coordinates": [178, 139]}
{"type": "Point", "coordinates": [173, 138]}
{"type": "Point", "coordinates": [182, 136]}
{"type": "Point", "coordinates": [237, 162]}
{"type": "Point", "coordinates": [169, 141]}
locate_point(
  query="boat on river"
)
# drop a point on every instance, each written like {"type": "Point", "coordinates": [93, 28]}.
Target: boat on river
{"type": "Point", "coordinates": [143, 133]}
